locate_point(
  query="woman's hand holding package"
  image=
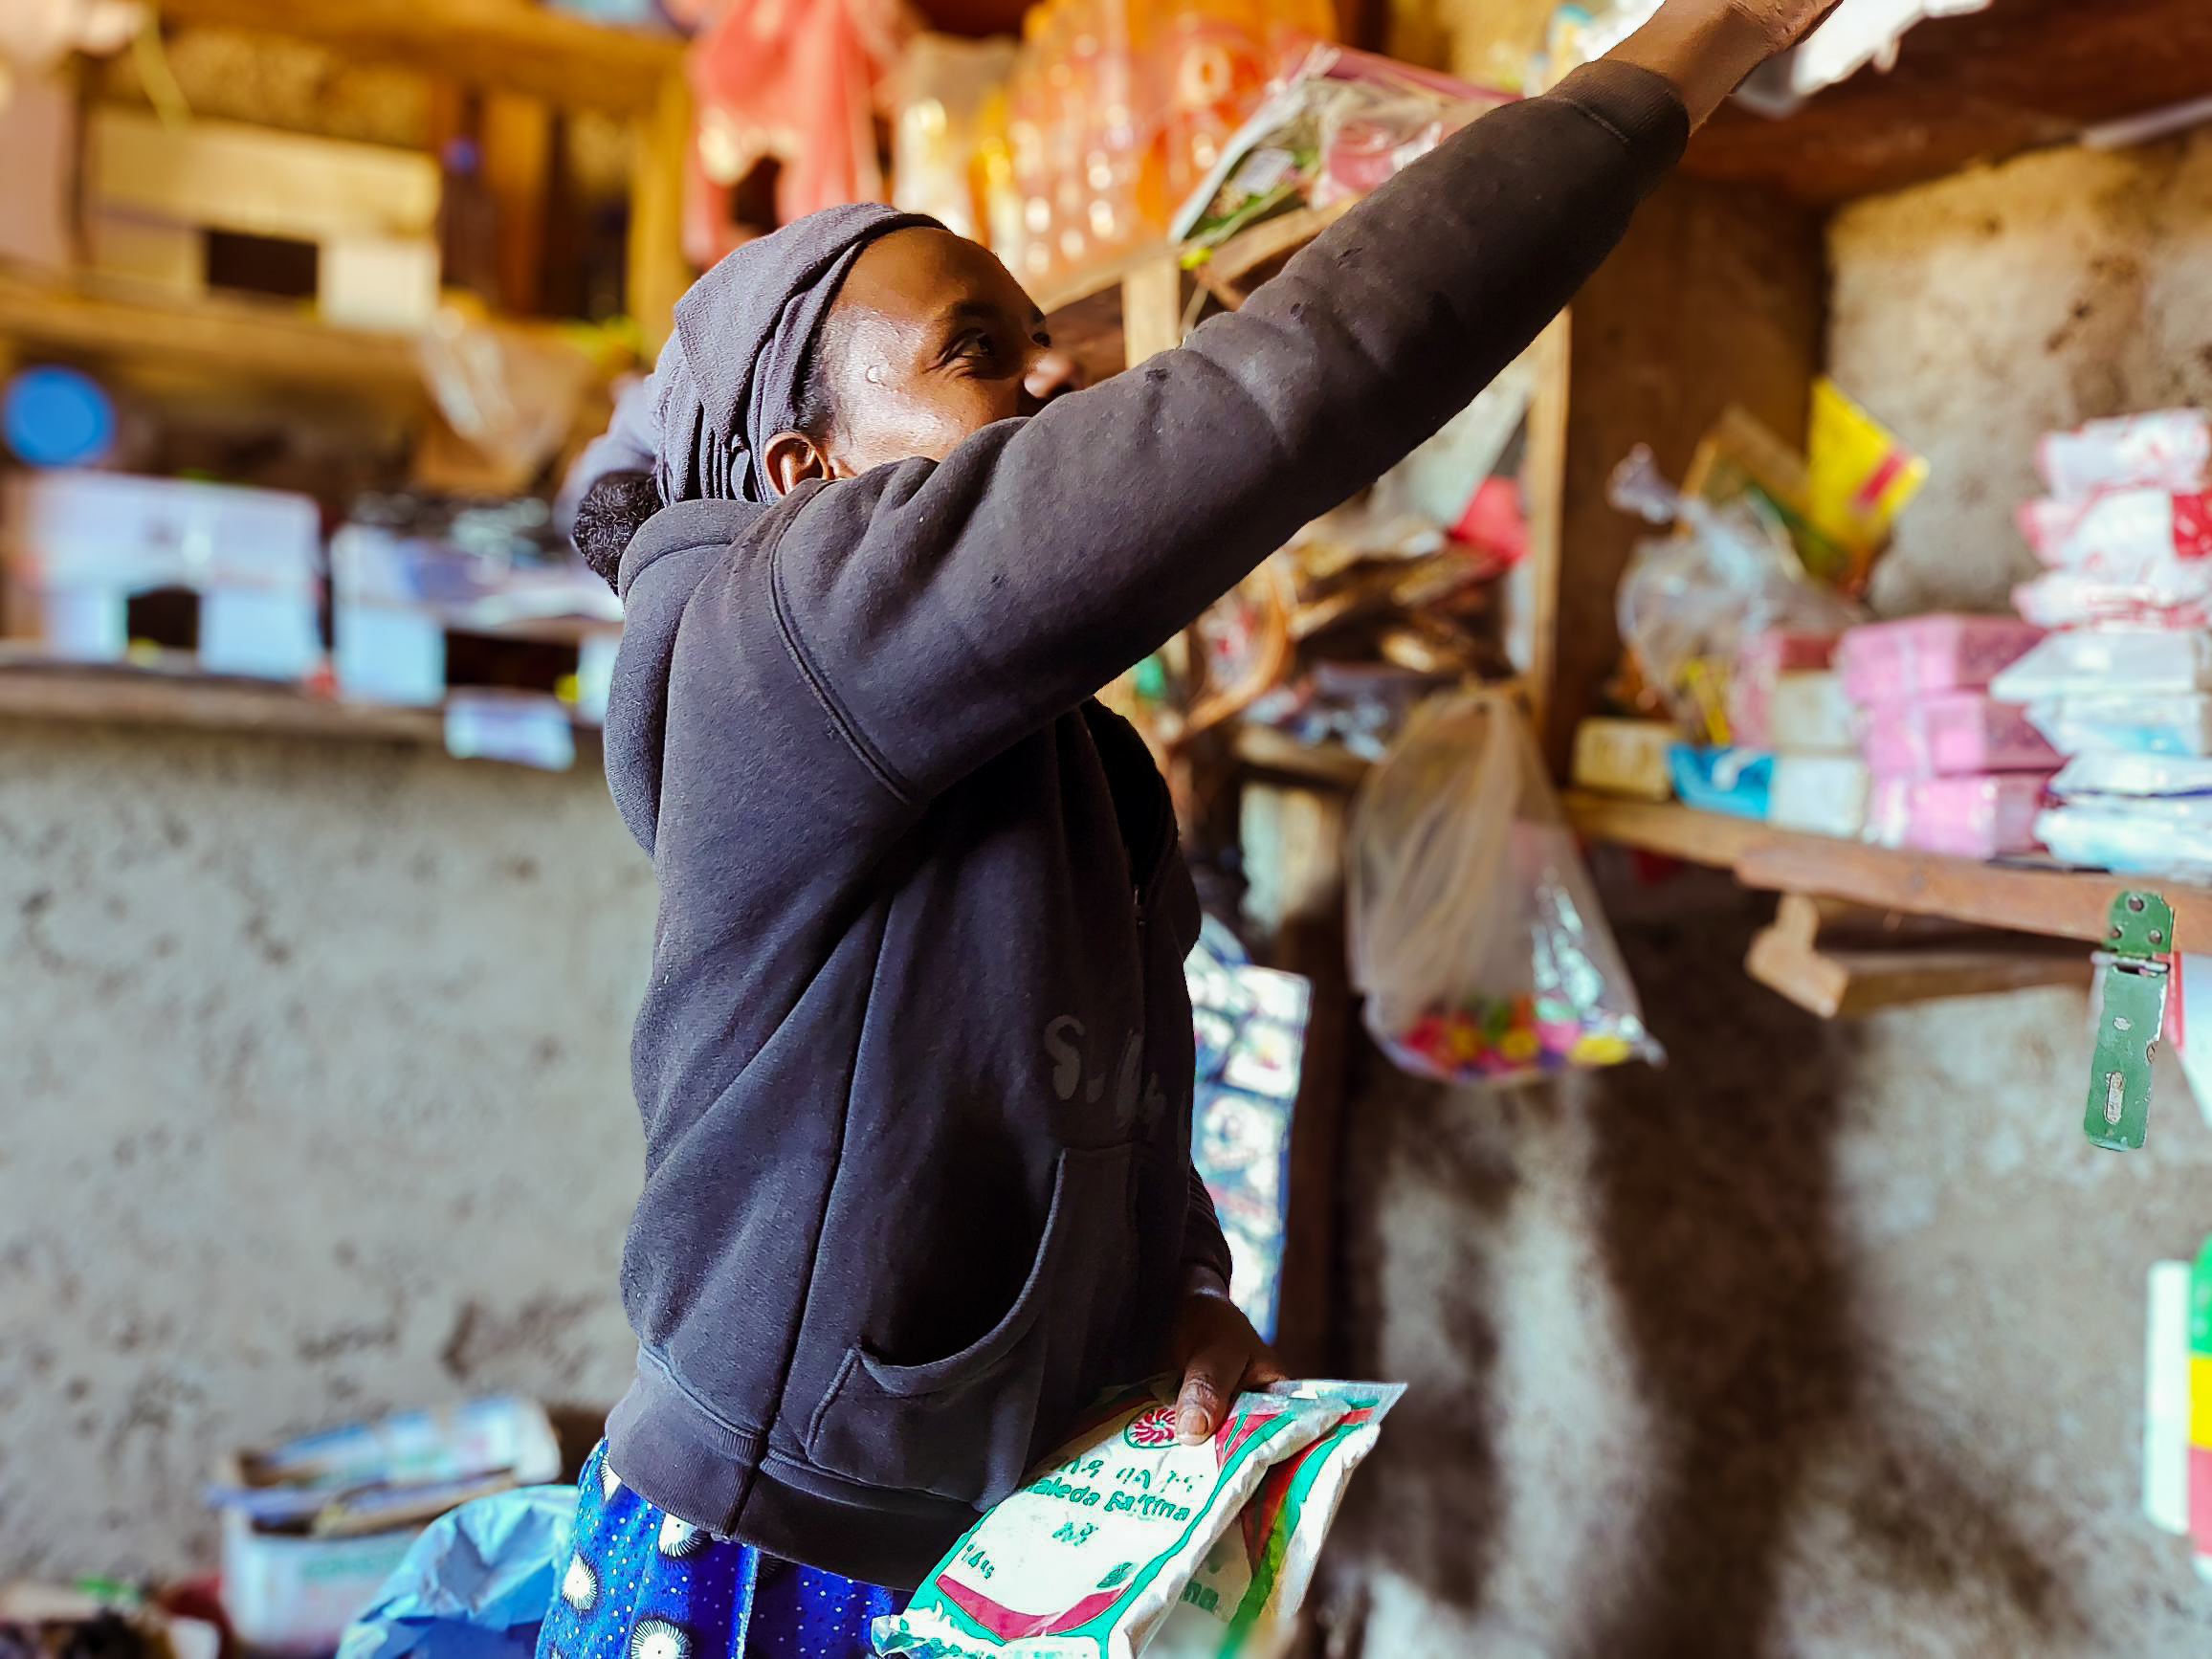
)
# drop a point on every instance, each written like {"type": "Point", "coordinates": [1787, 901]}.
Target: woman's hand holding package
{"type": "Point", "coordinates": [1218, 1354]}
{"type": "Point", "coordinates": [1707, 47]}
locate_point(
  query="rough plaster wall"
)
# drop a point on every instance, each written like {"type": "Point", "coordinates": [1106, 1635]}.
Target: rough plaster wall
{"type": "Point", "coordinates": [314, 1101]}
{"type": "Point", "coordinates": [1824, 1341]}
{"type": "Point", "coordinates": [1975, 313]}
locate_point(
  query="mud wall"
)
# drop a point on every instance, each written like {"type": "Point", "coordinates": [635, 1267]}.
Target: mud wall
{"type": "Point", "coordinates": [314, 1101]}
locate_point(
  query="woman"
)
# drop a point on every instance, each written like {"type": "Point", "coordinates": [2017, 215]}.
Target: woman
{"type": "Point", "coordinates": [914, 1061]}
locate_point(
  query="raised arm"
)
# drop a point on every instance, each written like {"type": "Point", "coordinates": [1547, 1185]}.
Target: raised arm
{"type": "Point", "coordinates": [949, 607]}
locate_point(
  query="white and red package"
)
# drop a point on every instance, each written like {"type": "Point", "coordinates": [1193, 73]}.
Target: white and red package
{"type": "Point", "coordinates": [1967, 817]}
{"type": "Point", "coordinates": [1088, 1559]}
{"type": "Point", "coordinates": [2167, 450]}
{"type": "Point", "coordinates": [2174, 595]}
{"type": "Point", "coordinates": [1760, 662]}
{"type": "Point", "coordinates": [1952, 735]}
{"type": "Point", "coordinates": [1890, 662]}
{"type": "Point", "coordinates": [2119, 533]}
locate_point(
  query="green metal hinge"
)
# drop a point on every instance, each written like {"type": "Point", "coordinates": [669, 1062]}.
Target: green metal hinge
{"type": "Point", "coordinates": [2138, 941]}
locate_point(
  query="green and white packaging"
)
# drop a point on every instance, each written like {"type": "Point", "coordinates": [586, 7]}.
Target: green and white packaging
{"type": "Point", "coordinates": [1243, 1601]}
{"type": "Point", "coordinates": [1087, 1559]}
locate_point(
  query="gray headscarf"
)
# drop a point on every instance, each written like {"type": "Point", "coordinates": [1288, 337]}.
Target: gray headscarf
{"type": "Point", "coordinates": [730, 377]}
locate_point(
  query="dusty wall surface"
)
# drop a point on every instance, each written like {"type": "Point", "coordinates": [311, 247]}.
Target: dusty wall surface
{"type": "Point", "coordinates": [1975, 313]}
{"type": "Point", "coordinates": [314, 1101]}
{"type": "Point", "coordinates": [1824, 1341]}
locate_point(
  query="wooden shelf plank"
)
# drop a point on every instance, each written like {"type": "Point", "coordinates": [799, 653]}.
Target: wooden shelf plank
{"type": "Point", "coordinates": [122, 697]}
{"type": "Point", "coordinates": [2068, 904]}
{"type": "Point", "coordinates": [1990, 84]}
{"type": "Point", "coordinates": [563, 58]}
{"type": "Point", "coordinates": [234, 337]}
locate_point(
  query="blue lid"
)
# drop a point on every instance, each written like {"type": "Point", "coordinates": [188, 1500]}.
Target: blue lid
{"type": "Point", "coordinates": [56, 417]}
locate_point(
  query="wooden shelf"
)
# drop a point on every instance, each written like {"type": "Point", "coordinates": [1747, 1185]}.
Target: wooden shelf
{"type": "Point", "coordinates": [263, 342]}
{"type": "Point", "coordinates": [2067, 904]}
{"type": "Point", "coordinates": [512, 44]}
{"type": "Point", "coordinates": [1984, 86]}
{"type": "Point", "coordinates": [125, 696]}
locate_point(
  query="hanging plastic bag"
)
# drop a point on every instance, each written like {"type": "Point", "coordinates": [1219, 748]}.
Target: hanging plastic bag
{"type": "Point", "coordinates": [1476, 931]}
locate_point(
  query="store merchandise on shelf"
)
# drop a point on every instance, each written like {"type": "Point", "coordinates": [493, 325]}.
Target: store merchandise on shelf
{"type": "Point", "coordinates": [2125, 683]}
{"type": "Point", "coordinates": [1116, 111]}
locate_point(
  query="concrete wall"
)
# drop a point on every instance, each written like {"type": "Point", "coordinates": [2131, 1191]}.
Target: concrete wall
{"type": "Point", "coordinates": [1975, 313]}
{"type": "Point", "coordinates": [1826, 1339]}
{"type": "Point", "coordinates": [314, 1101]}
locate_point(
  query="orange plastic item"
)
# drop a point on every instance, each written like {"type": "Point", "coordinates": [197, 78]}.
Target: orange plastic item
{"type": "Point", "coordinates": [794, 80]}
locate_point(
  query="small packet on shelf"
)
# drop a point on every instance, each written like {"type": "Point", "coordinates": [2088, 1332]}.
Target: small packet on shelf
{"type": "Point", "coordinates": [1087, 1558]}
{"type": "Point", "coordinates": [2164, 450]}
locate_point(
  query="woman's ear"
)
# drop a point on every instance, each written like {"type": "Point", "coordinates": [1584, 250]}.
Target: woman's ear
{"type": "Point", "coordinates": [792, 458]}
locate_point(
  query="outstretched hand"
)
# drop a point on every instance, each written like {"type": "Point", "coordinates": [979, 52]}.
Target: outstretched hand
{"type": "Point", "coordinates": [1217, 1353]}
{"type": "Point", "coordinates": [1707, 47]}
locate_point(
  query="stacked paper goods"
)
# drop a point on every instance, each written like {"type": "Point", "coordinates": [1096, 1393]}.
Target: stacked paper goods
{"type": "Point", "coordinates": [2124, 688]}
{"type": "Point", "coordinates": [1785, 701]}
{"type": "Point", "coordinates": [1951, 765]}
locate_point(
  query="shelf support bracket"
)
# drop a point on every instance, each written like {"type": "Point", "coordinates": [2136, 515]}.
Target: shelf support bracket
{"type": "Point", "coordinates": [2135, 966]}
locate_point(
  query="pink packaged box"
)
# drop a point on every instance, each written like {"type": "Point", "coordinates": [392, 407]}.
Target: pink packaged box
{"type": "Point", "coordinates": [1970, 817]}
{"type": "Point", "coordinates": [1951, 735]}
{"type": "Point", "coordinates": [1760, 660]}
{"type": "Point", "coordinates": [1891, 662]}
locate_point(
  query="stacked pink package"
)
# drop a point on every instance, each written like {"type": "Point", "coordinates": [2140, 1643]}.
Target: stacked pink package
{"type": "Point", "coordinates": [1954, 770]}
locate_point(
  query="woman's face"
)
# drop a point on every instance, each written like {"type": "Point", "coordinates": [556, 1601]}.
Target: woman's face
{"type": "Point", "coordinates": [930, 340]}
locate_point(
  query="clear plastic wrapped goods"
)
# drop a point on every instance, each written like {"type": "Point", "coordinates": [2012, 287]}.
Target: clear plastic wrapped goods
{"type": "Point", "coordinates": [1243, 1601]}
{"type": "Point", "coordinates": [1819, 794]}
{"type": "Point", "coordinates": [1762, 662]}
{"type": "Point", "coordinates": [2112, 773]}
{"type": "Point", "coordinates": [1087, 1559]}
{"type": "Point", "coordinates": [1686, 605]}
{"type": "Point", "coordinates": [1969, 817]}
{"type": "Point", "coordinates": [2108, 660]}
{"type": "Point", "coordinates": [1476, 931]}
{"type": "Point", "coordinates": [2120, 536]}
{"type": "Point", "coordinates": [1892, 662]}
{"type": "Point", "coordinates": [2142, 724]}
{"type": "Point", "coordinates": [2165, 449]}
{"type": "Point", "coordinates": [2125, 840]}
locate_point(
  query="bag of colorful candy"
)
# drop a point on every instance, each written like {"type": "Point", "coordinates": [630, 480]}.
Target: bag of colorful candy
{"type": "Point", "coordinates": [1476, 931]}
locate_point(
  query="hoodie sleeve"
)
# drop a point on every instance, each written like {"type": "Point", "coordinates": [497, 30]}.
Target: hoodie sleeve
{"type": "Point", "coordinates": [944, 610]}
{"type": "Point", "coordinates": [1203, 1241]}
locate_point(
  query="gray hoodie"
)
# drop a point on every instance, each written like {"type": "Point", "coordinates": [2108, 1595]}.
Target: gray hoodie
{"type": "Point", "coordinates": [914, 1061]}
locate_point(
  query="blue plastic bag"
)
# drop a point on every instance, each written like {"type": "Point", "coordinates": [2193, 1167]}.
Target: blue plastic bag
{"type": "Point", "coordinates": [476, 1585]}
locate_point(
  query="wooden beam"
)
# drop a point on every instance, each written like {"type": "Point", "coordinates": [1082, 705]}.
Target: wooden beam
{"type": "Point", "coordinates": [237, 340]}
{"type": "Point", "coordinates": [1152, 309]}
{"type": "Point", "coordinates": [2061, 903]}
{"type": "Point", "coordinates": [2022, 74]}
{"type": "Point", "coordinates": [657, 273]}
{"type": "Point", "coordinates": [124, 698]}
{"type": "Point", "coordinates": [1544, 492]}
{"type": "Point", "coordinates": [1842, 983]}
{"type": "Point", "coordinates": [555, 56]}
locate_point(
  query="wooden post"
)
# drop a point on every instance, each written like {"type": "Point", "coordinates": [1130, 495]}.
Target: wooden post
{"type": "Point", "coordinates": [1152, 309]}
{"type": "Point", "coordinates": [517, 170]}
{"type": "Point", "coordinates": [1543, 485]}
{"type": "Point", "coordinates": [1293, 847]}
{"type": "Point", "coordinates": [658, 273]}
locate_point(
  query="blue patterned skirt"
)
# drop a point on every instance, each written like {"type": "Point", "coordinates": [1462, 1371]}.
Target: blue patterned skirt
{"type": "Point", "coordinates": [646, 1585]}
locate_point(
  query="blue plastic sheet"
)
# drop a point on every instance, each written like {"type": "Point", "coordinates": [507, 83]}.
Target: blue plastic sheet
{"type": "Point", "coordinates": [476, 1585]}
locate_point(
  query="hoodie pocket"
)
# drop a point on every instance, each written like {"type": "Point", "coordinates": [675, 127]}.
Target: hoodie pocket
{"type": "Point", "coordinates": [960, 1426]}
